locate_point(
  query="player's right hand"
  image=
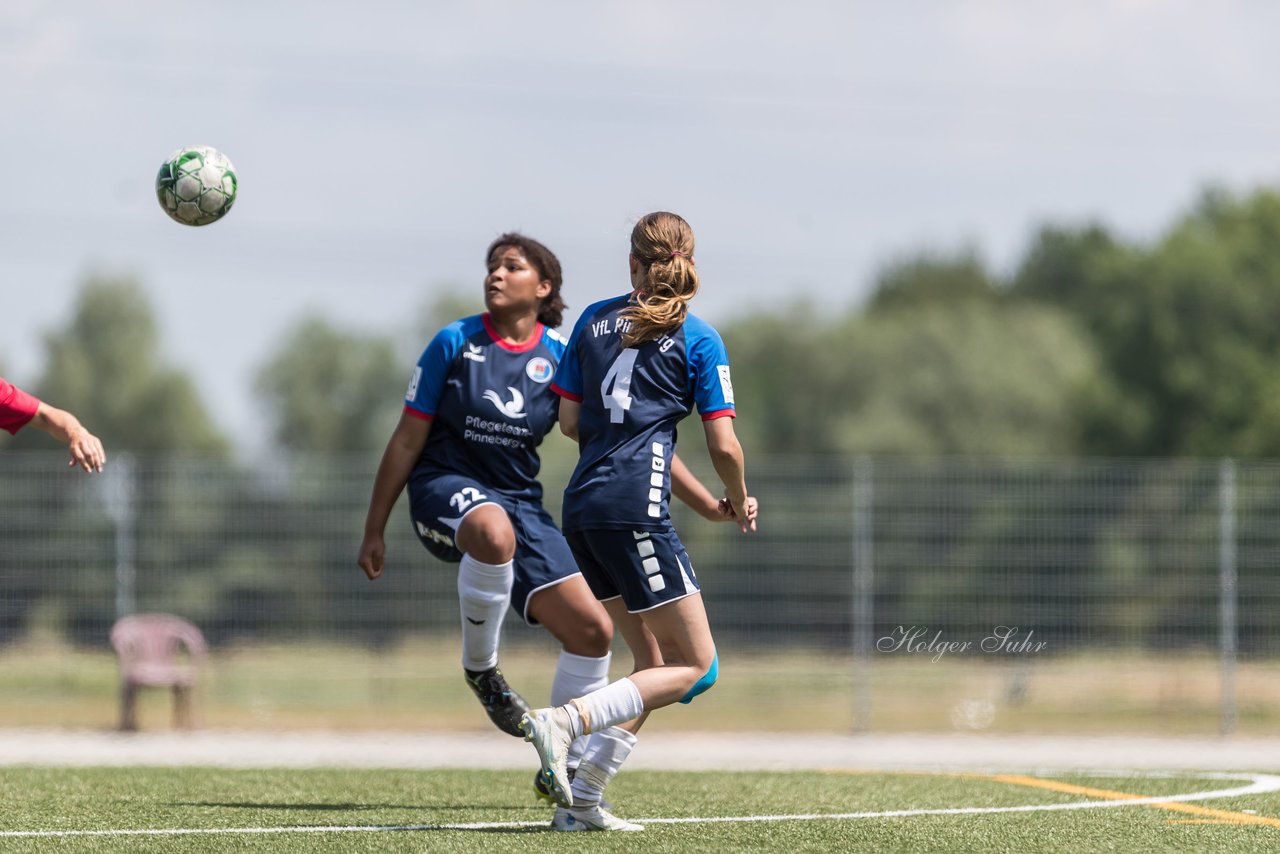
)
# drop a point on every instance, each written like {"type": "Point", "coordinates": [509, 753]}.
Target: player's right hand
{"type": "Point", "coordinates": [373, 556]}
{"type": "Point", "coordinates": [746, 519]}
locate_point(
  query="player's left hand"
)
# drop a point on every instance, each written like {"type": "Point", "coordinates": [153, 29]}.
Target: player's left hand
{"type": "Point", "coordinates": [86, 452]}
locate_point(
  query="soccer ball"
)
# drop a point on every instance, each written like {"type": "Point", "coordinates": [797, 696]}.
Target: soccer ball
{"type": "Point", "coordinates": [196, 185]}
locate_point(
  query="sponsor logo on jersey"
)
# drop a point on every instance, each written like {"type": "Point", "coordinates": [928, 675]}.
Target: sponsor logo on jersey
{"type": "Point", "coordinates": [474, 352]}
{"type": "Point", "coordinates": [726, 384]}
{"type": "Point", "coordinates": [433, 535]}
{"type": "Point", "coordinates": [539, 369]}
{"type": "Point", "coordinates": [413, 384]}
{"type": "Point", "coordinates": [513, 408]}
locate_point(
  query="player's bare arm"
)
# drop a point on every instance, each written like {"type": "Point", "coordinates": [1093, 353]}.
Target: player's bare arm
{"type": "Point", "coordinates": [730, 465]}
{"type": "Point", "coordinates": [686, 487]}
{"type": "Point", "coordinates": [569, 410]}
{"type": "Point", "coordinates": [85, 448]}
{"type": "Point", "coordinates": [403, 450]}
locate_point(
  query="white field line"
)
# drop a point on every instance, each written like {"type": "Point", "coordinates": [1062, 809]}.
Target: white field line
{"type": "Point", "coordinates": [1259, 784]}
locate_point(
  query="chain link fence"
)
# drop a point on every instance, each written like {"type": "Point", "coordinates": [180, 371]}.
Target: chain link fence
{"type": "Point", "coordinates": [1017, 595]}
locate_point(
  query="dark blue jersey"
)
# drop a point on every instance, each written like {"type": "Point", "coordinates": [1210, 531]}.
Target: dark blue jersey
{"type": "Point", "coordinates": [631, 401]}
{"type": "Point", "coordinates": [489, 403]}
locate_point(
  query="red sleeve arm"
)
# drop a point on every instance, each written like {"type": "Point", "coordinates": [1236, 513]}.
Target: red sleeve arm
{"type": "Point", "coordinates": [17, 408]}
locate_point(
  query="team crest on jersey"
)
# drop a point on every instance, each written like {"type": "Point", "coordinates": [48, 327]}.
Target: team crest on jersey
{"type": "Point", "coordinates": [513, 408]}
{"type": "Point", "coordinates": [539, 369]}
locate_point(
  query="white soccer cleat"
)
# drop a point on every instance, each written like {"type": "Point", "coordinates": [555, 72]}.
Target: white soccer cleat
{"type": "Point", "coordinates": [590, 818]}
{"type": "Point", "coordinates": [548, 731]}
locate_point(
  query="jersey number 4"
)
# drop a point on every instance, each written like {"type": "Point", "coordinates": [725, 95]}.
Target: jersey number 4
{"type": "Point", "coordinates": [615, 389]}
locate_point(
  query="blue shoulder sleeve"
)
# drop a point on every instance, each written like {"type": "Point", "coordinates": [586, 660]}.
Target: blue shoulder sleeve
{"type": "Point", "coordinates": [568, 381]}
{"type": "Point", "coordinates": [555, 342]}
{"type": "Point", "coordinates": [708, 369]}
{"type": "Point", "coordinates": [429, 376]}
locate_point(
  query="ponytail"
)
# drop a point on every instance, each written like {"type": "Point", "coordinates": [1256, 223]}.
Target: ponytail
{"type": "Point", "coordinates": [662, 243]}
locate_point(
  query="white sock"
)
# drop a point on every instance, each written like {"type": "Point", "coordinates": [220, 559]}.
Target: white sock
{"type": "Point", "coordinates": [605, 753]}
{"type": "Point", "coordinates": [611, 705]}
{"type": "Point", "coordinates": [484, 593]}
{"type": "Point", "coordinates": [577, 675]}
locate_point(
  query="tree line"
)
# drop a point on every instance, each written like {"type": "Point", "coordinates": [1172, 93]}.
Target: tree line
{"type": "Point", "coordinates": [1093, 345]}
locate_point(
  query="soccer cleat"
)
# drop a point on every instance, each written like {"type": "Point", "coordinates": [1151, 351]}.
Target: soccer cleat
{"type": "Point", "coordinates": [540, 786]}
{"type": "Point", "coordinates": [544, 794]}
{"type": "Point", "coordinates": [546, 730]}
{"type": "Point", "coordinates": [504, 706]}
{"type": "Point", "coordinates": [590, 818]}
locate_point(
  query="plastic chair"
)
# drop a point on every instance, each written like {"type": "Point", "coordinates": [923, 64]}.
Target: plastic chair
{"type": "Point", "coordinates": [151, 650]}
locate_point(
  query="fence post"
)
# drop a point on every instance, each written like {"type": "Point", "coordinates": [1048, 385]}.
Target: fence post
{"type": "Point", "coordinates": [863, 591]}
{"type": "Point", "coordinates": [120, 508]}
{"type": "Point", "coordinates": [1227, 593]}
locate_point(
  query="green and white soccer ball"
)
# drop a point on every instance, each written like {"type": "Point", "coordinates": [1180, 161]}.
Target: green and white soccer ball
{"type": "Point", "coordinates": [196, 185]}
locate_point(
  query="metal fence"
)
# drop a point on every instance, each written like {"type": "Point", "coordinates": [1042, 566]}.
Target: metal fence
{"type": "Point", "coordinates": [898, 593]}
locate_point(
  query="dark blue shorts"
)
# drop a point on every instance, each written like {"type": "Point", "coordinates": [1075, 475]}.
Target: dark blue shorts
{"type": "Point", "coordinates": [645, 568]}
{"type": "Point", "coordinates": [438, 504]}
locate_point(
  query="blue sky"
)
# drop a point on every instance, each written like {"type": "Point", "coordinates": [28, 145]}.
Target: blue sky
{"type": "Point", "coordinates": [381, 145]}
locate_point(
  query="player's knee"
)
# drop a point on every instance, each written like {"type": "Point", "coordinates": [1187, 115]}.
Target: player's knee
{"type": "Point", "coordinates": [490, 539]}
{"type": "Point", "coordinates": [591, 637]}
{"type": "Point", "coordinates": [705, 682]}
{"type": "Point", "coordinates": [499, 543]}
{"type": "Point", "coordinates": [597, 635]}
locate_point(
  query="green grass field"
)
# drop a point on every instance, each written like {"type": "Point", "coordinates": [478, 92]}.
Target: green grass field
{"type": "Point", "coordinates": [201, 809]}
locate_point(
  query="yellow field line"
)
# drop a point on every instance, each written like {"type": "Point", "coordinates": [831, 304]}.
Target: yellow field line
{"type": "Point", "coordinates": [1225, 816]}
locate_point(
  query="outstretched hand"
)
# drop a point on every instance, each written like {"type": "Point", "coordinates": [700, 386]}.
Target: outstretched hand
{"type": "Point", "coordinates": [86, 451]}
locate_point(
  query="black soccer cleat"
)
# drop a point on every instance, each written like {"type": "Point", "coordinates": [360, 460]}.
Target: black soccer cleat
{"type": "Point", "coordinates": [505, 707]}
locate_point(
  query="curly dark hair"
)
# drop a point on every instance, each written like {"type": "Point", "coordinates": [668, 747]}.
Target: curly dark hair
{"type": "Point", "coordinates": [551, 312]}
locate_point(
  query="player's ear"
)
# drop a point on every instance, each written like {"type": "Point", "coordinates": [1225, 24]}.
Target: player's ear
{"type": "Point", "coordinates": [544, 289]}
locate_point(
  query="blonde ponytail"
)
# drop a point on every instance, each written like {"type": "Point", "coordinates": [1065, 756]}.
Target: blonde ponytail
{"type": "Point", "coordinates": [662, 243]}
